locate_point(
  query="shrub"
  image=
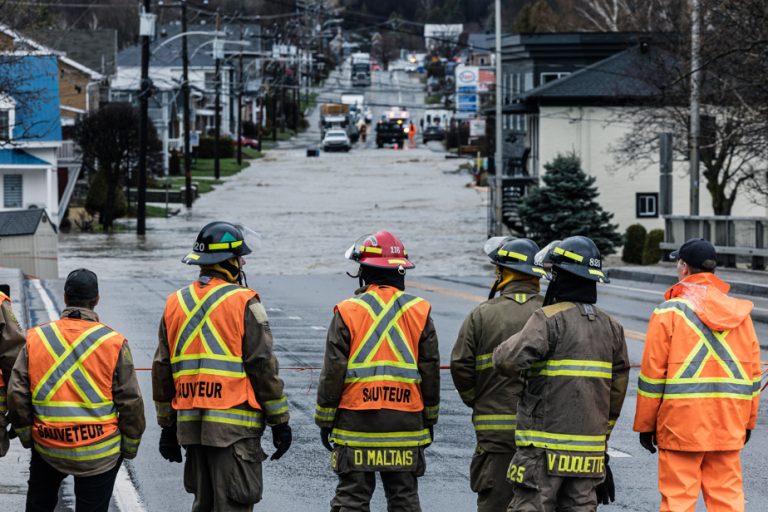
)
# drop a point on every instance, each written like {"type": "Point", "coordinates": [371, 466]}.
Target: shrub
{"type": "Point", "coordinates": [566, 205]}
{"type": "Point", "coordinates": [651, 249]}
{"type": "Point", "coordinates": [205, 149]}
{"type": "Point", "coordinates": [96, 201]}
{"type": "Point", "coordinates": [634, 244]}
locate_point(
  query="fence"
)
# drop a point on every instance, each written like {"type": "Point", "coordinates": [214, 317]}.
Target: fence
{"type": "Point", "coordinates": [738, 240]}
{"type": "Point", "coordinates": [68, 151]}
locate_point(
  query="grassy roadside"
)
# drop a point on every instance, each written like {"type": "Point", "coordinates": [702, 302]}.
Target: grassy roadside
{"type": "Point", "coordinates": [203, 175]}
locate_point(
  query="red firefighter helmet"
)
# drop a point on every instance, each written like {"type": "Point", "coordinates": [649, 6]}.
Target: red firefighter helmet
{"type": "Point", "coordinates": [381, 250]}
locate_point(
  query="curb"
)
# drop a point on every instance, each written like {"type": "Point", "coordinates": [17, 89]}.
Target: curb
{"type": "Point", "coordinates": [739, 287]}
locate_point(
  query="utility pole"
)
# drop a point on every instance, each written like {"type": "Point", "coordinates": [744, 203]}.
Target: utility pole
{"type": "Point", "coordinates": [241, 86]}
{"type": "Point", "coordinates": [498, 159]}
{"type": "Point", "coordinates": [185, 99]}
{"type": "Point", "coordinates": [218, 47]}
{"type": "Point", "coordinates": [146, 29]}
{"type": "Point", "coordinates": [695, 105]}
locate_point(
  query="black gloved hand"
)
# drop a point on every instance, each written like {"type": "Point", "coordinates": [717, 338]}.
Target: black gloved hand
{"type": "Point", "coordinates": [606, 491]}
{"type": "Point", "coordinates": [746, 439]}
{"type": "Point", "coordinates": [13, 435]}
{"type": "Point", "coordinates": [169, 445]}
{"type": "Point", "coordinates": [282, 437]}
{"type": "Point", "coordinates": [648, 441]}
{"type": "Point", "coordinates": [325, 434]}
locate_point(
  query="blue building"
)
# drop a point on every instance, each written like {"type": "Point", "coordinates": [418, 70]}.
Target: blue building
{"type": "Point", "coordinates": [30, 132]}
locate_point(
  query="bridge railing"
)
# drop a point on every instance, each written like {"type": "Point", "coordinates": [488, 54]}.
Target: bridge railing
{"type": "Point", "coordinates": [738, 240]}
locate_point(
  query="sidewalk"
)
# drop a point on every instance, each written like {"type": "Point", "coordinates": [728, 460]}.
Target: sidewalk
{"type": "Point", "coordinates": [743, 282]}
{"type": "Point", "coordinates": [13, 489]}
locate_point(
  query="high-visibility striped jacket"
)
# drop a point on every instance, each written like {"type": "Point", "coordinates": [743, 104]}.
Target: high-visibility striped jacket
{"type": "Point", "coordinates": [368, 359]}
{"type": "Point", "coordinates": [214, 372]}
{"type": "Point", "coordinates": [492, 397]}
{"type": "Point", "coordinates": [74, 396]}
{"type": "Point", "coordinates": [699, 384]}
{"type": "Point", "coordinates": [576, 364]}
{"type": "Point", "coordinates": [11, 342]}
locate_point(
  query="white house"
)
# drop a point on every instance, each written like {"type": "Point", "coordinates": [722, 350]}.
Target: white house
{"type": "Point", "coordinates": [30, 132]}
{"type": "Point", "coordinates": [588, 113]}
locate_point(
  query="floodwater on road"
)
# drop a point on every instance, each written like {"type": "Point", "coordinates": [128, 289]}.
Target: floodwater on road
{"type": "Point", "coordinates": [308, 211]}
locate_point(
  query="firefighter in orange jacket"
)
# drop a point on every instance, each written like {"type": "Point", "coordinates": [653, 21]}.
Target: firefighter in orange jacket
{"type": "Point", "coordinates": [379, 390]}
{"type": "Point", "coordinates": [11, 342]}
{"type": "Point", "coordinates": [214, 377]}
{"type": "Point", "coordinates": [699, 384]}
{"type": "Point", "coordinates": [74, 398]}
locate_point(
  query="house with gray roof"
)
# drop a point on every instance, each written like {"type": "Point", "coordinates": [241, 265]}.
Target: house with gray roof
{"type": "Point", "coordinates": [589, 112]}
{"type": "Point", "coordinates": [29, 242]}
{"type": "Point", "coordinates": [166, 66]}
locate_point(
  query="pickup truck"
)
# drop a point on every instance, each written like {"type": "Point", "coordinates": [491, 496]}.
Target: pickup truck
{"type": "Point", "coordinates": [390, 131]}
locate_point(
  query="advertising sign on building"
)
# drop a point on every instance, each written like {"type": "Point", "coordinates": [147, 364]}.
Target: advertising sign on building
{"type": "Point", "coordinates": [486, 78]}
{"type": "Point", "coordinates": [466, 88]}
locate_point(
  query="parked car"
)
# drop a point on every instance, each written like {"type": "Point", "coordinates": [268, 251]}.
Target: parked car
{"type": "Point", "coordinates": [336, 140]}
{"type": "Point", "coordinates": [433, 132]}
{"type": "Point", "coordinates": [247, 142]}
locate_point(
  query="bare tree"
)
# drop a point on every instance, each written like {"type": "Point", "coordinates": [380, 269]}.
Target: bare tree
{"type": "Point", "coordinates": [734, 138]}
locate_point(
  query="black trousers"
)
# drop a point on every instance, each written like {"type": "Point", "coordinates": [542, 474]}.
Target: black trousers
{"type": "Point", "coordinates": [92, 493]}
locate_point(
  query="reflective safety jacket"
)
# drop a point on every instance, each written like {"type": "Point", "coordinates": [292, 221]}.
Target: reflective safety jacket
{"type": "Point", "coordinates": [380, 384]}
{"type": "Point", "coordinates": [205, 330]}
{"type": "Point", "coordinates": [576, 364]}
{"type": "Point", "coordinates": [11, 342]}
{"type": "Point", "coordinates": [385, 325]}
{"type": "Point", "coordinates": [71, 364]}
{"type": "Point", "coordinates": [492, 397]}
{"type": "Point", "coordinates": [214, 370]}
{"type": "Point", "coordinates": [699, 384]}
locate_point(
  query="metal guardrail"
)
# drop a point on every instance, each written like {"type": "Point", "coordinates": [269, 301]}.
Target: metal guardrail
{"type": "Point", "coordinates": [736, 239]}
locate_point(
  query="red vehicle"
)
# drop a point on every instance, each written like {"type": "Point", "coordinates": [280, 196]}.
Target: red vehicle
{"type": "Point", "coordinates": [247, 142]}
{"type": "Point", "coordinates": [375, 66]}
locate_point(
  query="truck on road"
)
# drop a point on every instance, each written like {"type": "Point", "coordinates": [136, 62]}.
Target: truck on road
{"type": "Point", "coordinates": [360, 69]}
{"type": "Point", "coordinates": [392, 128]}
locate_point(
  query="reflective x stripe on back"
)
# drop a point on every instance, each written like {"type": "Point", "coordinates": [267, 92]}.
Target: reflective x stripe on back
{"type": "Point", "coordinates": [67, 367]}
{"type": "Point", "coordinates": [198, 313]}
{"type": "Point", "coordinates": [687, 382]}
{"type": "Point", "coordinates": [384, 328]}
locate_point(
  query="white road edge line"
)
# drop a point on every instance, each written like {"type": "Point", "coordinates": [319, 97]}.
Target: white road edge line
{"type": "Point", "coordinates": [617, 454]}
{"type": "Point", "coordinates": [126, 496]}
{"type": "Point", "coordinates": [125, 493]}
{"type": "Point", "coordinates": [50, 309]}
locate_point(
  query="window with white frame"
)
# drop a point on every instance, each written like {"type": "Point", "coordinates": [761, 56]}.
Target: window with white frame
{"type": "Point", "coordinates": [551, 77]}
{"type": "Point", "coordinates": [647, 205]}
{"type": "Point", "coordinates": [12, 191]}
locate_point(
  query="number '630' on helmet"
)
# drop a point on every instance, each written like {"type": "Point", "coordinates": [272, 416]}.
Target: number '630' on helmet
{"type": "Point", "coordinates": [217, 242]}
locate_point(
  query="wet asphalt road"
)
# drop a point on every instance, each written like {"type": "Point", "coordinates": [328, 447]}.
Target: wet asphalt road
{"type": "Point", "coordinates": [308, 211]}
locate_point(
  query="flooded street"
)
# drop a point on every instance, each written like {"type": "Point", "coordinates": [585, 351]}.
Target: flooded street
{"type": "Point", "coordinates": [308, 211]}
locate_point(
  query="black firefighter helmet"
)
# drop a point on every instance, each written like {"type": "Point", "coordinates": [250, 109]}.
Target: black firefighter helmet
{"type": "Point", "coordinates": [515, 254]}
{"type": "Point", "coordinates": [580, 256]}
{"type": "Point", "coordinates": [217, 242]}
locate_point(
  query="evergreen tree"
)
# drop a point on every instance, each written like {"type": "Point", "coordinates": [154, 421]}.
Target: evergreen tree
{"type": "Point", "coordinates": [566, 205]}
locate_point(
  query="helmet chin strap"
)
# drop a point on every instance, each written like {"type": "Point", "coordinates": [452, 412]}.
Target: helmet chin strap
{"type": "Point", "coordinates": [496, 283]}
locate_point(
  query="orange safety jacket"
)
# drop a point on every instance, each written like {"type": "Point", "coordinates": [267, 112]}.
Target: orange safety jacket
{"type": "Point", "coordinates": [205, 325]}
{"type": "Point", "coordinates": [385, 326]}
{"type": "Point", "coordinates": [699, 384]}
{"type": "Point", "coordinates": [71, 366]}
